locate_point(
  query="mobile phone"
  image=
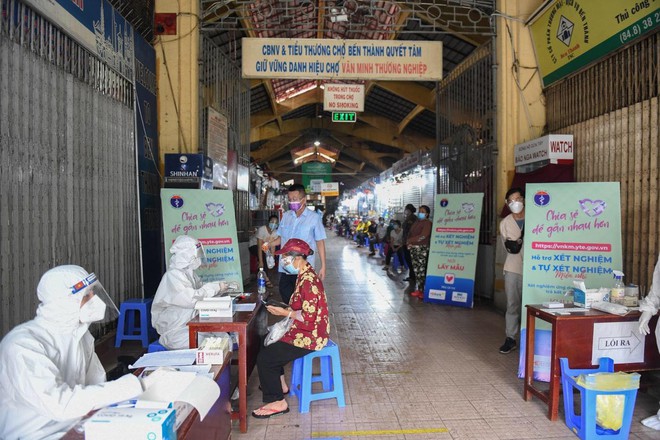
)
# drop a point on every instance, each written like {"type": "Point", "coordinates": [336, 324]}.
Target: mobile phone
{"type": "Point", "coordinates": [272, 302]}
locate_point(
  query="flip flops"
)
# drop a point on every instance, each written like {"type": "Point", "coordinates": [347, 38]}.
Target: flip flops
{"type": "Point", "coordinates": [270, 413]}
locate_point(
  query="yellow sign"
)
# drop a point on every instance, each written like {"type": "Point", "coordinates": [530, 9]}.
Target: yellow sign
{"type": "Point", "coordinates": [313, 58]}
{"type": "Point", "coordinates": [569, 34]}
{"type": "Point", "coordinates": [330, 189]}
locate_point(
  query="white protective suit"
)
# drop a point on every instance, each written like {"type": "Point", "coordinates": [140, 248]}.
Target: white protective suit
{"type": "Point", "coordinates": [50, 375]}
{"type": "Point", "coordinates": [649, 307]}
{"type": "Point", "coordinates": [178, 291]}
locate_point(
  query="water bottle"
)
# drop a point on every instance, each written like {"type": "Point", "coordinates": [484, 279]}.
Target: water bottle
{"type": "Point", "coordinates": [270, 260]}
{"type": "Point", "coordinates": [261, 281]}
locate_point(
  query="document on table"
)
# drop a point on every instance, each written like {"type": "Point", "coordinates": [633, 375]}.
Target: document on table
{"type": "Point", "coordinates": [177, 386]}
{"type": "Point", "coordinates": [247, 307]}
{"type": "Point", "coordinates": [168, 358]}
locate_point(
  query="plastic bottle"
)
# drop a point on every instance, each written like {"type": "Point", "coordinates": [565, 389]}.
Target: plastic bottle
{"type": "Point", "coordinates": [261, 281]}
{"type": "Point", "coordinates": [270, 260]}
{"type": "Point", "coordinates": [618, 292]}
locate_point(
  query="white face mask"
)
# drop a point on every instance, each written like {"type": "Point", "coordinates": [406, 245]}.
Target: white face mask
{"type": "Point", "coordinates": [196, 264]}
{"type": "Point", "coordinates": [516, 207]}
{"type": "Point", "coordinates": [92, 311]}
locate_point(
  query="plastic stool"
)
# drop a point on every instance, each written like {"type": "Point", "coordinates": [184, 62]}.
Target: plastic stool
{"type": "Point", "coordinates": [584, 425]}
{"type": "Point", "coordinates": [155, 346]}
{"type": "Point", "coordinates": [302, 377]}
{"type": "Point", "coordinates": [126, 328]}
{"type": "Point", "coordinates": [396, 263]}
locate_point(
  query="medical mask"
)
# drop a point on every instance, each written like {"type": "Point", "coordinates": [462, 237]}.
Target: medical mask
{"type": "Point", "coordinates": [516, 207]}
{"type": "Point", "coordinates": [196, 263]}
{"type": "Point", "coordinates": [406, 213]}
{"type": "Point", "coordinates": [421, 215]}
{"type": "Point", "coordinates": [294, 206]}
{"type": "Point", "coordinates": [290, 269]}
{"type": "Point", "coordinates": [92, 311]}
{"type": "Point", "coordinates": [273, 226]}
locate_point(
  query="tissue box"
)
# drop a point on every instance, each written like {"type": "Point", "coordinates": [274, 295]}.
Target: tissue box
{"type": "Point", "coordinates": [131, 423]}
{"type": "Point", "coordinates": [584, 299]}
{"type": "Point", "coordinates": [212, 350]}
{"type": "Point", "coordinates": [215, 307]}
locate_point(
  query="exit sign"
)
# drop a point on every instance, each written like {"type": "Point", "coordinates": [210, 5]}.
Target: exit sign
{"type": "Point", "coordinates": [343, 116]}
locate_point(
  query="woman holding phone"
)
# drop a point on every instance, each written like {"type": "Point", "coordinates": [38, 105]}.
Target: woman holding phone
{"type": "Point", "coordinates": [309, 332]}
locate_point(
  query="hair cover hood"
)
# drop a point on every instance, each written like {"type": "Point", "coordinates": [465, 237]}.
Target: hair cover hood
{"type": "Point", "coordinates": [184, 252]}
{"type": "Point", "coordinates": [58, 305]}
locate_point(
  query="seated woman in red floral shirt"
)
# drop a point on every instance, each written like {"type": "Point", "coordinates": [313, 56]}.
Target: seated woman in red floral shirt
{"type": "Point", "coordinates": [309, 309]}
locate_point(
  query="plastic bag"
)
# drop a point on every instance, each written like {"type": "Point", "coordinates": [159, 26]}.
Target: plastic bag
{"type": "Point", "coordinates": [277, 330]}
{"type": "Point", "coordinates": [609, 407]}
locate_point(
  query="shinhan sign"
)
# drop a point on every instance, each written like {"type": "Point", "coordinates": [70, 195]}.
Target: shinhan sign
{"type": "Point", "coordinates": [557, 148]}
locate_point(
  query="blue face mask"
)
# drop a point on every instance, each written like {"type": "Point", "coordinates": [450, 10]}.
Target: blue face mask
{"type": "Point", "coordinates": [273, 226]}
{"type": "Point", "coordinates": [288, 268]}
{"type": "Point", "coordinates": [421, 215]}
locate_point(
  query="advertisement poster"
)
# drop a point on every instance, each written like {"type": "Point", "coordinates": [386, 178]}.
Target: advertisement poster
{"type": "Point", "coordinates": [207, 215]}
{"type": "Point", "coordinates": [453, 254]}
{"type": "Point", "coordinates": [572, 232]}
{"type": "Point", "coordinates": [569, 34]}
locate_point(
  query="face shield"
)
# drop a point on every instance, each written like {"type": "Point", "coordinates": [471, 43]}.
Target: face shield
{"type": "Point", "coordinates": [95, 303]}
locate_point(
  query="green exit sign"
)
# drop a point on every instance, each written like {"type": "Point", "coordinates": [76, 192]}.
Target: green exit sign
{"type": "Point", "coordinates": [343, 116]}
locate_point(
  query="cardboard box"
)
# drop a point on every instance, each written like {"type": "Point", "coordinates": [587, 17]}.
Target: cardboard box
{"type": "Point", "coordinates": [221, 307]}
{"type": "Point", "coordinates": [210, 356]}
{"type": "Point", "coordinates": [131, 423]}
{"type": "Point", "coordinates": [584, 299]}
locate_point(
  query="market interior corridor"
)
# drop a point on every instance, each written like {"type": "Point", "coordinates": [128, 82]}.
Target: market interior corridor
{"type": "Point", "coordinates": [413, 370]}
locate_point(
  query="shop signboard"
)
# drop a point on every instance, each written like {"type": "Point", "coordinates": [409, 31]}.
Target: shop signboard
{"type": "Point", "coordinates": [572, 232]}
{"type": "Point", "coordinates": [343, 97]}
{"type": "Point", "coordinates": [557, 148]}
{"type": "Point", "coordinates": [208, 216]}
{"type": "Point", "coordinates": [454, 244]}
{"type": "Point", "coordinates": [315, 171]}
{"type": "Point", "coordinates": [570, 34]}
{"type": "Point", "coordinates": [330, 189]}
{"type": "Point", "coordinates": [318, 58]}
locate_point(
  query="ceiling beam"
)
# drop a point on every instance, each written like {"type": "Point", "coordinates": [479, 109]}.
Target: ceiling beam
{"type": "Point", "coordinates": [409, 117]}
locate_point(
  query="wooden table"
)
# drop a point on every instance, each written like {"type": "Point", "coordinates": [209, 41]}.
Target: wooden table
{"type": "Point", "coordinates": [572, 337]}
{"type": "Point", "coordinates": [217, 423]}
{"type": "Point", "coordinates": [249, 326]}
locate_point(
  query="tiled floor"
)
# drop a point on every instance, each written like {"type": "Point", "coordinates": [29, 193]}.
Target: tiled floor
{"type": "Point", "coordinates": [415, 371]}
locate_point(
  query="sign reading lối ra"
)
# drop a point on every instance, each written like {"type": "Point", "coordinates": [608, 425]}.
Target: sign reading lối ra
{"type": "Point", "coordinates": [453, 252]}
{"type": "Point", "coordinates": [208, 216]}
{"type": "Point", "coordinates": [569, 34]}
{"type": "Point", "coordinates": [318, 58]}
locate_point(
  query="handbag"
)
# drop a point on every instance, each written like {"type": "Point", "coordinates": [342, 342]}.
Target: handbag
{"type": "Point", "coordinates": [277, 330]}
{"type": "Point", "coordinates": [514, 246]}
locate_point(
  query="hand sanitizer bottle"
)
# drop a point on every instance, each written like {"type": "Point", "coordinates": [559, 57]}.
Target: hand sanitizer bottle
{"type": "Point", "coordinates": [618, 292]}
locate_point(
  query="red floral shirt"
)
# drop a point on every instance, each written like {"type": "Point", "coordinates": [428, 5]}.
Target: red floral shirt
{"type": "Point", "coordinates": [309, 296]}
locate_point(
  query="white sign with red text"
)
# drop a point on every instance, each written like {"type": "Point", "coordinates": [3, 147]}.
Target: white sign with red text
{"type": "Point", "coordinates": [343, 97]}
{"type": "Point", "coordinates": [558, 148]}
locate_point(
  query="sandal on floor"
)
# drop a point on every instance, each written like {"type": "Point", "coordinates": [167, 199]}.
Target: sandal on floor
{"type": "Point", "coordinates": [269, 414]}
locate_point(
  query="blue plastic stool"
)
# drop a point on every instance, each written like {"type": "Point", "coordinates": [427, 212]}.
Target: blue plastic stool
{"type": "Point", "coordinates": [302, 377]}
{"type": "Point", "coordinates": [396, 263]}
{"type": "Point", "coordinates": [155, 346]}
{"type": "Point", "coordinates": [584, 424]}
{"type": "Point", "coordinates": [126, 328]}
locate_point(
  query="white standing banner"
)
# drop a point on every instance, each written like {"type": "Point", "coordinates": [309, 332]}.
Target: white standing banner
{"type": "Point", "coordinates": [315, 58]}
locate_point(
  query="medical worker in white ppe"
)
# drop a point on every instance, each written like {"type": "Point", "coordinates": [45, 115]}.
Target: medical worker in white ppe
{"type": "Point", "coordinates": [649, 307]}
{"type": "Point", "coordinates": [50, 375]}
{"type": "Point", "coordinates": [179, 290]}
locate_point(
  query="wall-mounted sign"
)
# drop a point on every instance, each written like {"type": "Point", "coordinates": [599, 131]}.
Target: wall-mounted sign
{"type": "Point", "coordinates": [557, 148]}
{"type": "Point", "coordinates": [569, 34]}
{"type": "Point", "coordinates": [344, 117]}
{"type": "Point", "coordinates": [341, 97]}
{"type": "Point", "coordinates": [330, 189]}
{"type": "Point", "coordinates": [316, 58]}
